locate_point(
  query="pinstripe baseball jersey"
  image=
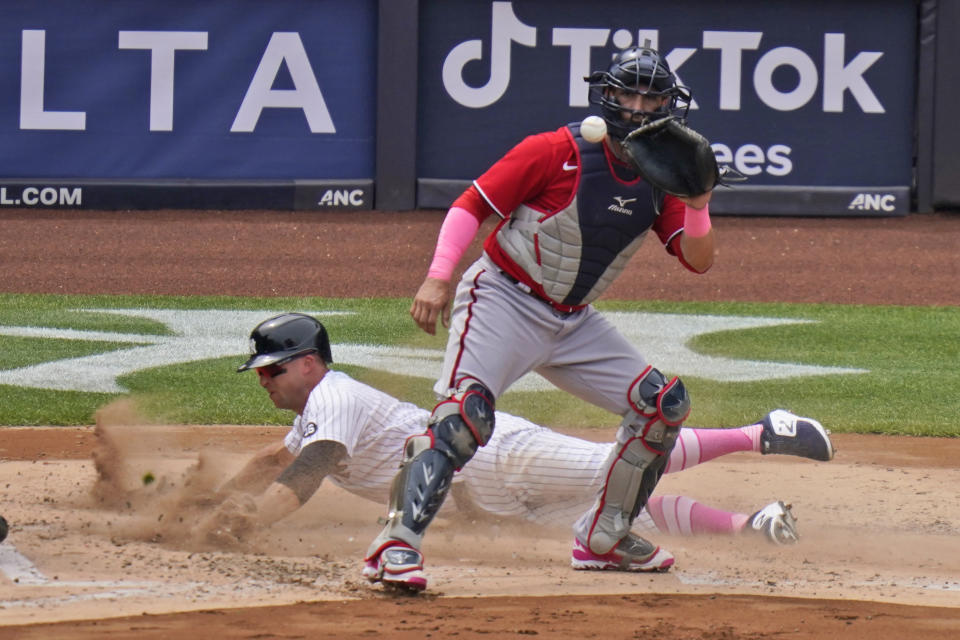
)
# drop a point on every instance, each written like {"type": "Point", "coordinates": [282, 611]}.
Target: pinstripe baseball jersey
{"type": "Point", "coordinates": [521, 472]}
{"type": "Point", "coordinates": [526, 471]}
{"type": "Point", "coordinates": [370, 424]}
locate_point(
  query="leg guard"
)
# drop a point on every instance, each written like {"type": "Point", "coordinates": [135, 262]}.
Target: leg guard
{"type": "Point", "coordinates": [457, 427]}
{"type": "Point", "coordinates": [644, 441]}
{"type": "Point", "coordinates": [416, 495]}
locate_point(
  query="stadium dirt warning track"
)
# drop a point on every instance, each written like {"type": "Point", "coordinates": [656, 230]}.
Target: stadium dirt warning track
{"type": "Point", "coordinates": [878, 557]}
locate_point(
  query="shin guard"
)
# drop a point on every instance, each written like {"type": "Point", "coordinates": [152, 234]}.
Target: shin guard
{"type": "Point", "coordinates": [634, 467]}
{"type": "Point", "coordinates": [457, 427]}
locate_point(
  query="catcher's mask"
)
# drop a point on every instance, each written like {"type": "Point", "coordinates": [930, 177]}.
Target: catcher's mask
{"type": "Point", "coordinates": [284, 337]}
{"type": "Point", "coordinates": [640, 70]}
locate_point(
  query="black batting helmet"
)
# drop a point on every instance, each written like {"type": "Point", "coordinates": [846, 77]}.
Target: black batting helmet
{"type": "Point", "coordinates": [637, 70]}
{"type": "Point", "coordinates": [284, 337]}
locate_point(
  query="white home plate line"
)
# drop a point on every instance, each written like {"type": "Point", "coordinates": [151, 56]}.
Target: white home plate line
{"type": "Point", "coordinates": [18, 567]}
{"type": "Point", "coordinates": [154, 590]}
{"type": "Point", "coordinates": [23, 573]}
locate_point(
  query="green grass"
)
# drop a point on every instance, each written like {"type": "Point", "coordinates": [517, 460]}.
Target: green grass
{"type": "Point", "coordinates": [911, 354]}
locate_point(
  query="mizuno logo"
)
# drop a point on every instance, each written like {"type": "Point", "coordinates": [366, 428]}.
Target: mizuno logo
{"type": "Point", "coordinates": [621, 205]}
{"type": "Point", "coordinates": [569, 167]}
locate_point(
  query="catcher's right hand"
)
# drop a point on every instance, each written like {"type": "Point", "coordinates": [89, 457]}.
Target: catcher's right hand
{"type": "Point", "coordinates": [673, 158]}
{"type": "Point", "coordinates": [431, 302]}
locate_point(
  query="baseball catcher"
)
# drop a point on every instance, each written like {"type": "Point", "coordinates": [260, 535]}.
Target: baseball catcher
{"type": "Point", "coordinates": [573, 209]}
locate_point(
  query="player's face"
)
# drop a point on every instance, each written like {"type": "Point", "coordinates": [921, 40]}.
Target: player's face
{"type": "Point", "coordinates": [285, 383]}
{"type": "Point", "coordinates": [636, 103]}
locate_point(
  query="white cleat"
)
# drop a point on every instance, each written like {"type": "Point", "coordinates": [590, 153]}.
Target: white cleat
{"type": "Point", "coordinates": [776, 522]}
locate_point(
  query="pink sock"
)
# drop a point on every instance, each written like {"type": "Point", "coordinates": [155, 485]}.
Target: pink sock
{"type": "Point", "coordinates": [700, 445]}
{"type": "Point", "coordinates": [680, 515]}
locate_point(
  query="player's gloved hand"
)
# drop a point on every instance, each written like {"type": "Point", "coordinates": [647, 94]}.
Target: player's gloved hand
{"type": "Point", "coordinates": [431, 302]}
{"type": "Point", "coordinates": [675, 159]}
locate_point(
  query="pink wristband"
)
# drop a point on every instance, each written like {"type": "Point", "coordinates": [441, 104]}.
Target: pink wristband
{"type": "Point", "coordinates": [696, 222]}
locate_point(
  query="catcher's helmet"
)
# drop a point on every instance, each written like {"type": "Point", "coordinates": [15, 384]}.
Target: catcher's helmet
{"type": "Point", "coordinates": [637, 70]}
{"type": "Point", "coordinates": [284, 337]}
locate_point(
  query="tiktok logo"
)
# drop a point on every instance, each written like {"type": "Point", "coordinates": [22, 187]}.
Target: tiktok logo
{"type": "Point", "coordinates": [830, 72]}
{"type": "Point", "coordinates": [506, 29]}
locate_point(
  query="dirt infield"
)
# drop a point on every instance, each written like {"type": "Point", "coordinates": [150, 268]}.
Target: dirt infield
{"type": "Point", "coordinates": [910, 260]}
{"type": "Point", "coordinates": [878, 558]}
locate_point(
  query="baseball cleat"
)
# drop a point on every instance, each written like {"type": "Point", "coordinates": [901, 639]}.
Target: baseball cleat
{"type": "Point", "coordinates": [776, 522]}
{"type": "Point", "coordinates": [397, 566]}
{"type": "Point", "coordinates": [789, 434]}
{"type": "Point", "coordinates": [633, 553]}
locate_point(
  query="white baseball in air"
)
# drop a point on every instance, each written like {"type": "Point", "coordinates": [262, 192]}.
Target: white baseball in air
{"type": "Point", "coordinates": [593, 129]}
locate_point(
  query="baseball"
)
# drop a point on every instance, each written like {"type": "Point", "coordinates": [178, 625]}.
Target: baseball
{"type": "Point", "coordinates": [593, 129]}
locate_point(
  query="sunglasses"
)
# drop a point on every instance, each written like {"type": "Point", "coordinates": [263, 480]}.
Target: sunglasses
{"type": "Point", "coordinates": [271, 371]}
{"type": "Point", "coordinates": [277, 368]}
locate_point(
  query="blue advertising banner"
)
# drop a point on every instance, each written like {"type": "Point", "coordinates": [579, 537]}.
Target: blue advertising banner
{"type": "Point", "coordinates": [226, 90]}
{"type": "Point", "coordinates": [796, 96]}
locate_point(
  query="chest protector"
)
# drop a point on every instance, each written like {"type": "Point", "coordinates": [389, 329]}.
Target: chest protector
{"type": "Point", "coordinates": [576, 252]}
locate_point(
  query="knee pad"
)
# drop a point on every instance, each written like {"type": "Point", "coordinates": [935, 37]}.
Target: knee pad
{"type": "Point", "coordinates": [463, 422]}
{"type": "Point", "coordinates": [660, 407]}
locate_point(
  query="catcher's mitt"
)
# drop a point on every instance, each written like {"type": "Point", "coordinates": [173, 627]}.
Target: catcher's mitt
{"type": "Point", "coordinates": [673, 157]}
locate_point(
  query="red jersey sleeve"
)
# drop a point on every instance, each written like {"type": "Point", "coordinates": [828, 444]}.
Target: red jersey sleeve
{"type": "Point", "coordinates": [527, 174]}
{"type": "Point", "coordinates": [669, 228]}
{"type": "Point", "coordinates": [669, 224]}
